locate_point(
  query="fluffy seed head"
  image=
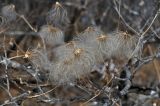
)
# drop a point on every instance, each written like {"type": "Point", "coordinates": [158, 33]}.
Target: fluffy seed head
{"type": "Point", "coordinates": [88, 34]}
{"type": "Point", "coordinates": [121, 44]}
{"type": "Point", "coordinates": [57, 16]}
{"type": "Point", "coordinates": [61, 52]}
{"type": "Point", "coordinates": [75, 60]}
{"type": "Point", "coordinates": [129, 45]}
{"type": "Point", "coordinates": [102, 51]}
{"type": "Point", "coordinates": [51, 35]}
{"type": "Point", "coordinates": [94, 38]}
{"type": "Point", "coordinates": [9, 12]}
{"type": "Point", "coordinates": [40, 59]}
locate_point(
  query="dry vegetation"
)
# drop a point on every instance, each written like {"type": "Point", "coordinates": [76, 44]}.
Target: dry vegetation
{"type": "Point", "coordinates": [80, 53]}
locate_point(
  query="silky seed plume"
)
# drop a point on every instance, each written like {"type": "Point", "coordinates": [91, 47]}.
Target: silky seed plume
{"type": "Point", "coordinates": [75, 61]}
{"type": "Point", "coordinates": [51, 35]}
{"type": "Point", "coordinates": [57, 16]}
{"type": "Point", "coordinates": [9, 12]}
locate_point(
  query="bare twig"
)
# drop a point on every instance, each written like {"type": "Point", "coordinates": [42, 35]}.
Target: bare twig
{"type": "Point", "coordinates": [35, 96]}
{"type": "Point", "coordinates": [124, 19]}
{"type": "Point", "coordinates": [26, 21]}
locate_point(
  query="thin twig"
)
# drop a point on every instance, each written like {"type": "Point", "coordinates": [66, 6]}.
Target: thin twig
{"type": "Point", "coordinates": [97, 94]}
{"type": "Point", "coordinates": [26, 21]}
{"type": "Point", "coordinates": [124, 19]}
{"type": "Point", "coordinates": [35, 96]}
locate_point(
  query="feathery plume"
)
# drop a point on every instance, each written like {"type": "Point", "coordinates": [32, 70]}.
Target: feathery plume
{"type": "Point", "coordinates": [40, 59]}
{"type": "Point", "coordinates": [121, 44]}
{"type": "Point", "coordinates": [57, 16]}
{"type": "Point", "coordinates": [51, 35]}
{"type": "Point", "coordinates": [93, 38]}
{"type": "Point", "coordinates": [75, 60]}
{"type": "Point", "coordinates": [9, 12]}
{"type": "Point", "coordinates": [88, 34]}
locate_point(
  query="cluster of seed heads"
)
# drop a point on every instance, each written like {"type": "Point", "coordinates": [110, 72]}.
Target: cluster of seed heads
{"type": "Point", "coordinates": [76, 58]}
